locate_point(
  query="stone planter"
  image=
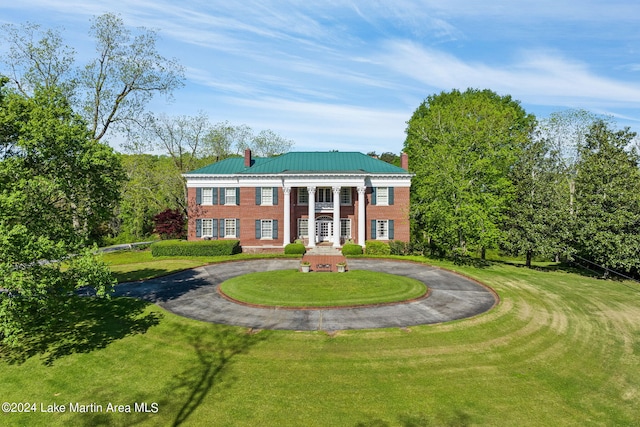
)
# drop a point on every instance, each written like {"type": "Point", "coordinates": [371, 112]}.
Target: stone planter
{"type": "Point", "coordinates": [341, 268]}
{"type": "Point", "coordinates": [305, 268]}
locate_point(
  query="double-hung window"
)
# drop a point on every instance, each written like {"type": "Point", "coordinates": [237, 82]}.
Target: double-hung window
{"type": "Point", "coordinates": [207, 196]}
{"type": "Point", "coordinates": [382, 229]}
{"type": "Point", "coordinates": [345, 228]}
{"type": "Point", "coordinates": [303, 227]}
{"type": "Point", "coordinates": [207, 227]}
{"type": "Point", "coordinates": [382, 196]}
{"type": "Point", "coordinates": [229, 196]}
{"type": "Point", "coordinates": [303, 196]}
{"type": "Point", "coordinates": [230, 227]}
{"type": "Point", "coordinates": [345, 196]}
{"type": "Point", "coordinates": [266, 229]}
{"type": "Point", "coordinates": [267, 196]}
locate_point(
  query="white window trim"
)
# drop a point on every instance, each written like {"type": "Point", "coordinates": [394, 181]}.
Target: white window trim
{"type": "Point", "coordinates": [302, 190]}
{"type": "Point", "coordinates": [204, 227]}
{"type": "Point", "coordinates": [300, 220]}
{"type": "Point", "coordinates": [386, 228]}
{"type": "Point", "coordinates": [346, 191]}
{"type": "Point", "coordinates": [207, 196]}
{"type": "Point", "coordinates": [348, 222]}
{"type": "Point", "coordinates": [382, 201]}
{"type": "Point", "coordinates": [230, 196]}
{"type": "Point", "coordinates": [262, 223]}
{"type": "Point", "coordinates": [266, 196]}
{"type": "Point", "coordinates": [226, 227]}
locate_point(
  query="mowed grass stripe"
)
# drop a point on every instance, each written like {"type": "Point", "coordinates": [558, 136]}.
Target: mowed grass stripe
{"type": "Point", "coordinates": [560, 349]}
{"type": "Point", "coordinates": [291, 288]}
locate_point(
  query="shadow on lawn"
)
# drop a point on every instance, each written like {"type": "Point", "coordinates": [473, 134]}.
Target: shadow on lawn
{"type": "Point", "coordinates": [457, 418]}
{"type": "Point", "coordinates": [162, 289]}
{"type": "Point", "coordinates": [88, 324]}
{"type": "Point", "coordinates": [214, 353]}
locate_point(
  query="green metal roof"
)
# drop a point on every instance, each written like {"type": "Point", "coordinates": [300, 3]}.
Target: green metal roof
{"type": "Point", "coordinates": [302, 162]}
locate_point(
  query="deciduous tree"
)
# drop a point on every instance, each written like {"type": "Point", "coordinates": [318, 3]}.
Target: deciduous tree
{"type": "Point", "coordinates": [607, 217]}
{"type": "Point", "coordinates": [461, 146]}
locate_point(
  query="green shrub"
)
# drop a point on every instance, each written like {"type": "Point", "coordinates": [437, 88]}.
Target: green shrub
{"type": "Point", "coordinates": [196, 248]}
{"type": "Point", "coordinates": [398, 247]}
{"type": "Point", "coordinates": [295, 249]}
{"type": "Point", "coordinates": [351, 249]}
{"type": "Point", "coordinates": [374, 247]}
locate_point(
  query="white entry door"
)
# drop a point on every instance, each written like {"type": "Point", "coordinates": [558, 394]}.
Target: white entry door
{"type": "Point", "coordinates": [325, 230]}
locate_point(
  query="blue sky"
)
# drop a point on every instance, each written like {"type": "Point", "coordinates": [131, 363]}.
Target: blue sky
{"type": "Point", "coordinates": [347, 75]}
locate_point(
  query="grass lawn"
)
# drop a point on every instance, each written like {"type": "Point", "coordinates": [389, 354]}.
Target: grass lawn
{"type": "Point", "coordinates": [129, 266]}
{"type": "Point", "coordinates": [291, 288]}
{"type": "Point", "coordinates": [560, 349]}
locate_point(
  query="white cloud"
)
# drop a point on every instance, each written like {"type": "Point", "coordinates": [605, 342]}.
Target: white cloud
{"type": "Point", "coordinates": [536, 77]}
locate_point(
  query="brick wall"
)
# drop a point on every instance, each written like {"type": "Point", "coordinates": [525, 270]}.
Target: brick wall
{"type": "Point", "coordinates": [247, 211]}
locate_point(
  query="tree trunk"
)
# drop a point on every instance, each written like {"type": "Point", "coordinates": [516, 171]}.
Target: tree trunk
{"type": "Point", "coordinates": [529, 256]}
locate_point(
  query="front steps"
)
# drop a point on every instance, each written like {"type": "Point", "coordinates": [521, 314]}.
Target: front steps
{"type": "Point", "coordinates": [324, 258]}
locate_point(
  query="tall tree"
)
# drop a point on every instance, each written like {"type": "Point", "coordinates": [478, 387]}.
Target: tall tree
{"type": "Point", "coordinates": [112, 90]}
{"type": "Point", "coordinates": [56, 184]}
{"type": "Point", "coordinates": [566, 133]}
{"type": "Point", "coordinates": [127, 72]}
{"type": "Point", "coordinates": [38, 58]}
{"type": "Point", "coordinates": [536, 220]}
{"type": "Point", "coordinates": [462, 145]}
{"type": "Point", "coordinates": [607, 219]}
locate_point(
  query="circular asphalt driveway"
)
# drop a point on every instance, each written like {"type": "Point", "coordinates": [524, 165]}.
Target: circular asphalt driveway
{"type": "Point", "coordinates": [194, 294]}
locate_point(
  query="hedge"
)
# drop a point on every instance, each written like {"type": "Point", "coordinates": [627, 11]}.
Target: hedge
{"type": "Point", "coordinates": [351, 249]}
{"type": "Point", "coordinates": [195, 248]}
{"type": "Point", "coordinates": [374, 247]}
{"type": "Point", "coordinates": [295, 248]}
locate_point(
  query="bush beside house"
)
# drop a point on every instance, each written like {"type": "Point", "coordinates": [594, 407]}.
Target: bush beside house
{"type": "Point", "coordinates": [196, 248]}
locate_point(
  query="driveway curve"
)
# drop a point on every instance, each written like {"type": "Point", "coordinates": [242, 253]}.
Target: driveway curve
{"type": "Point", "coordinates": [193, 293]}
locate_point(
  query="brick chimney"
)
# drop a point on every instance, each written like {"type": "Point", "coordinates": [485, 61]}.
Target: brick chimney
{"type": "Point", "coordinates": [247, 158]}
{"type": "Point", "coordinates": [404, 161]}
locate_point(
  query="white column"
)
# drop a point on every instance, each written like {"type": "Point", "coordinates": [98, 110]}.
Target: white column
{"type": "Point", "coordinates": [287, 215]}
{"type": "Point", "coordinates": [312, 216]}
{"type": "Point", "coordinates": [361, 218]}
{"type": "Point", "coordinates": [336, 217]}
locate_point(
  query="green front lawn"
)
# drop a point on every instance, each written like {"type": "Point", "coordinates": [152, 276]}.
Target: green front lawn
{"type": "Point", "coordinates": [291, 288]}
{"type": "Point", "coordinates": [560, 349]}
{"type": "Point", "coordinates": [129, 266]}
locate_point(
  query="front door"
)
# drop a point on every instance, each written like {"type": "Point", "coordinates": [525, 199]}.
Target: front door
{"type": "Point", "coordinates": [325, 230]}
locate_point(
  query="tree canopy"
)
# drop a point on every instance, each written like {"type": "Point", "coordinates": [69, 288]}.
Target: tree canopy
{"type": "Point", "coordinates": [461, 146]}
{"type": "Point", "coordinates": [56, 185]}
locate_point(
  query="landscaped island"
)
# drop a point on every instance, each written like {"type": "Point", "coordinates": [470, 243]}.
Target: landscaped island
{"type": "Point", "coordinates": [290, 288]}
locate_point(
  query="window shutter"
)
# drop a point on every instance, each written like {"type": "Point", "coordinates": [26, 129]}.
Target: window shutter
{"type": "Point", "coordinates": [222, 194]}
{"type": "Point", "coordinates": [258, 195]}
{"type": "Point", "coordinates": [237, 196]}
{"type": "Point", "coordinates": [391, 232]}
{"type": "Point", "coordinates": [275, 195]}
{"type": "Point", "coordinates": [373, 196]}
{"type": "Point", "coordinates": [238, 228]}
{"type": "Point", "coordinates": [214, 228]}
{"type": "Point", "coordinates": [198, 196]}
{"type": "Point", "coordinates": [214, 196]}
{"type": "Point", "coordinates": [275, 229]}
{"type": "Point", "coordinates": [258, 230]}
{"type": "Point", "coordinates": [390, 195]}
{"type": "Point", "coordinates": [373, 229]}
{"type": "Point", "coordinates": [198, 228]}
{"type": "Point", "coordinates": [222, 232]}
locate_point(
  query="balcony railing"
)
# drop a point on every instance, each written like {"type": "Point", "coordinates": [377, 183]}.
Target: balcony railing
{"type": "Point", "coordinates": [324, 206]}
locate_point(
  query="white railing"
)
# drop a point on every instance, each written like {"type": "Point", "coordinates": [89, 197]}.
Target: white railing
{"type": "Point", "coordinates": [324, 206]}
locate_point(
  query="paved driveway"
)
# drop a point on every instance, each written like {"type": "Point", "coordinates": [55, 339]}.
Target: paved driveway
{"type": "Point", "coordinates": [193, 294]}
